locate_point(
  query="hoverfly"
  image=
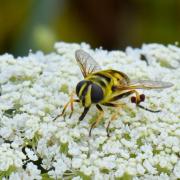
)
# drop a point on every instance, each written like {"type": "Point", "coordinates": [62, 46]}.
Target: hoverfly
{"type": "Point", "coordinates": [106, 87]}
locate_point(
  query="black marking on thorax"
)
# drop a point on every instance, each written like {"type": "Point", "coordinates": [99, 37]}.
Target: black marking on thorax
{"type": "Point", "coordinates": [108, 79]}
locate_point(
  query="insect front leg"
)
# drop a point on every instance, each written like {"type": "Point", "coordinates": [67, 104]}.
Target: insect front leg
{"type": "Point", "coordinates": [101, 113]}
{"type": "Point", "coordinates": [86, 109]}
{"type": "Point", "coordinates": [71, 101]}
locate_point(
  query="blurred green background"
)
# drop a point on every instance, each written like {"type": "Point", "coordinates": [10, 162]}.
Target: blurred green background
{"type": "Point", "coordinates": [112, 24]}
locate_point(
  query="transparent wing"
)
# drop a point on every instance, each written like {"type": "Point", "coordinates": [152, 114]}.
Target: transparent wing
{"type": "Point", "coordinates": [86, 63]}
{"type": "Point", "coordinates": [148, 84]}
{"type": "Point", "coordinates": [144, 84]}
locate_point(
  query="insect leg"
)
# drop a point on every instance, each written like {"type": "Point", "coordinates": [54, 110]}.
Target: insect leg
{"type": "Point", "coordinates": [101, 113]}
{"type": "Point", "coordinates": [65, 107]}
{"type": "Point", "coordinates": [71, 103]}
{"type": "Point", "coordinates": [72, 107]}
{"type": "Point", "coordinates": [112, 119]}
{"type": "Point", "coordinates": [86, 109]}
{"type": "Point", "coordinates": [113, 116]}
{"type": "Point", "coordinates": [63, 111]}
{"type": "Point", "coordinates": [111, 104]}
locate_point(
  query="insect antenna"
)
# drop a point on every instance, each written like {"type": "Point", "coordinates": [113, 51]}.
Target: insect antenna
{"type": "Point", "coordinates": [141, 99]}
{"type": "Point", "coordinates": [150, 110]}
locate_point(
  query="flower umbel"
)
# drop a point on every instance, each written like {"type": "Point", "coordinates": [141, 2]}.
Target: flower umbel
{"type": "Point", "coordinates": [34, 89]}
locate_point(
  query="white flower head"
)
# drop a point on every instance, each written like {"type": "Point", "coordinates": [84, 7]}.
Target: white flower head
{"type": "Point", "coordinates": [34, 90]}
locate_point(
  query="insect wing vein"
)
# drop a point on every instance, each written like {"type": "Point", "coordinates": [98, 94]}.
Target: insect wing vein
{"type": "Point", "coordinates": [86, 63]}
{"type": "Point", "coordinates": [148, 84]}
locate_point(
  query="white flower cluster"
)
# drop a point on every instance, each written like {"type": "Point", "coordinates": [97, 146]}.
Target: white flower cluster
{"type": "Point", "coordinates": [142, 145]}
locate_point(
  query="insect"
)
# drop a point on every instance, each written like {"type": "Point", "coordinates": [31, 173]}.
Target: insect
{"type": "Point", "coordinates": [106, 87]}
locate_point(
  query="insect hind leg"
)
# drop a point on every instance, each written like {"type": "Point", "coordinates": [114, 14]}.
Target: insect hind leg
{"type": "Point", "coordinates": [113, 117]}
{"type": "Point", "coordinates": [71, 103]}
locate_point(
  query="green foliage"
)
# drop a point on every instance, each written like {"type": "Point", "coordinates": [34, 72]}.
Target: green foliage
{"type": "Point", "coordinates": [133, 155]}
{"type": "Point", "coordinates": [164, 63]}
{"type": "Point", "coordinates": [83, 176]}
{"type": "Point", "coordinates": [163, 169]}
{"type": "Point", "coordinates": [105, 171]}
{"type": "Point", "coordinates": [124, 177]}
{"type": "Point", "coordinates": [64, 148]}
{"type": "Point", "coordinates": [10, 112]}
{"type": "Point", "coordinates": [35, 139]}
{"type": "Point", "coordinates": [139, 142]}
{"type": "Point", "coordinates": [45, 176]}
{"type": "Point", "coordinates": [156, 151]}
{"type": "Point", "coordinates": [64, 88]}
{"type": "Point", "coordinates": [7, 173]}
{"type": "Point", "coordinates": [47, 110]}
{"type": "Point", "coordinates": [18, 79]}
{"type": "Point", "coordinates": [93, 119]}
{"type": "Point", "coordinates": [33, 142]}
{"type": "Point", "coordinates": [133, 114]}
{"type": "Point", "coordinates": [127, 136]}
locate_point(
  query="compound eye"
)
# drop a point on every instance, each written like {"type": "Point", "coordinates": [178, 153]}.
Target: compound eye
{"type": "Point", "coordinates": [79, 85]}
{"type": "Point", "coordinates": [142, 97]}
{"type": "Point", "coordinates": [133, 99]}
{"type": "Point", "coordinates": [96, 93]}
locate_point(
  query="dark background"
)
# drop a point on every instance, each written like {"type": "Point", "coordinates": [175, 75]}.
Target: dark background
{"type": "Point", "coordinates": [112, 24]}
